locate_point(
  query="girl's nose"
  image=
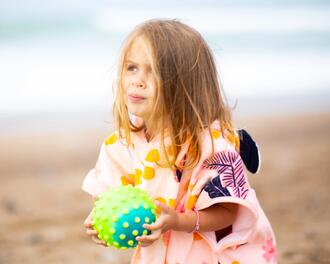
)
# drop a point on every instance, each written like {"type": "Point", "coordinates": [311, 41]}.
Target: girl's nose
{"type": "Point", "coordinates": [139, 84]}
{"type": "Point", "coordinates": [139, 79]}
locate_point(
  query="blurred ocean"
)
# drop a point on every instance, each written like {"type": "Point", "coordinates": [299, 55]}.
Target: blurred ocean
{"type": "Point", "coordinates": [60, 57]}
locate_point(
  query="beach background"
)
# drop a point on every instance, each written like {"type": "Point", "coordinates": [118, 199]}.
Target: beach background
{"type": "Point", "coordinates": [57, 68]}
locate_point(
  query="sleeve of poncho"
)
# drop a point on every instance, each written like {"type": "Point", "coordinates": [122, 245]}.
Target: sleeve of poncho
{"type": "Point", "coordinates": [220, 178]}
{"type": "Point", "coordinates": [111, 168]}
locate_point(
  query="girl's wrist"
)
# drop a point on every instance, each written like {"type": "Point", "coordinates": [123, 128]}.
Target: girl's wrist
{"type": "Point", "coordinates": [186, 222]}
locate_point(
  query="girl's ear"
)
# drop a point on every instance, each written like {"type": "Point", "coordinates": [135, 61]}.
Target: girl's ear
{"type": "Point", "coordinates": [249, 151]}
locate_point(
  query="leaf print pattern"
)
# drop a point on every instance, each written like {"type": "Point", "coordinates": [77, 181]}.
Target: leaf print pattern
{"type": "Point", "coordinates": [215, 188]}
{"type": "Point", "coordinates": [229, 167]}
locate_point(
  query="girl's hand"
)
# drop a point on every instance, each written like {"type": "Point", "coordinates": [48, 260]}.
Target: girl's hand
{"type": "Point", "coordinates": [90, 231]}
{"type": "Point", "coordinates": [167, 220]}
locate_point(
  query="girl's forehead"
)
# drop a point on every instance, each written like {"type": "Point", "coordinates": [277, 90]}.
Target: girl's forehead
{"type": "Point", "coordinates": [138, 43]}
{"type": "Point", "coordinates": [138, 51]}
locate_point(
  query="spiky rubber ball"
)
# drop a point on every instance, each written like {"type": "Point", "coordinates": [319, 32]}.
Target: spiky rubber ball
{"type": "Point", "coordinates": [119, 215]}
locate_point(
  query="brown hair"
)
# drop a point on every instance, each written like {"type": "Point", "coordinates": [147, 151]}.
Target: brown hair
{"type": "Point", "coordinates": [189, 94]}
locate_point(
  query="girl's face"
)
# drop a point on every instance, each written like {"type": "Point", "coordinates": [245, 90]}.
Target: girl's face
{"type": "Point", "coordinates": [138, 81]}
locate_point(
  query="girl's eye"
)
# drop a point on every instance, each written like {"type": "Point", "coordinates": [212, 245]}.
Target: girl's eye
{"type": "Point", "coordinates": [131, 68]}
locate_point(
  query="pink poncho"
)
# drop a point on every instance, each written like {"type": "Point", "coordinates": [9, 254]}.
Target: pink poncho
{"type": "Point", "coordinates": [218, 178]}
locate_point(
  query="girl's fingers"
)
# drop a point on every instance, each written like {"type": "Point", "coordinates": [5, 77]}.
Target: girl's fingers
{"type": "Point", "coordinates": [88, 224]}
{"type": "Point", "coordinates": [155, 226]}
{"type": "Point", "coordinates": [149, 239]}
{"type": "Point", "coordinates": [98, 241]}
{"type": "Point", "coordinates": [144, 244]}
{"type": "Point", "coordinates": [91, 232]}
{"type": "Point", "coordinates": [164, 208]}
{"type": "Point", "coordinates": [146, 241]}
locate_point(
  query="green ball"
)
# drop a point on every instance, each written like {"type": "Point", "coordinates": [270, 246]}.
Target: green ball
{"type": "Point", "coordinates": [119, 215]}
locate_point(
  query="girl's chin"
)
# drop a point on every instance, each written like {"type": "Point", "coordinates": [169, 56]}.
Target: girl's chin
{"type": "Point", "coordinates": [136, 113]}
{"type": "Point", "coordinates": [138, 110]}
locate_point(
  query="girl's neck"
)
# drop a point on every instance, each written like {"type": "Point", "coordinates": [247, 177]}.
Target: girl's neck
{"type": "Point", "coordinates": [150, 131]}
{"type": "Point", "coordinates": [146, 134]}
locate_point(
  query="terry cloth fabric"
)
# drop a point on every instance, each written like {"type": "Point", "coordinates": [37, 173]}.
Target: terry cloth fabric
{"type": "Point", "coordinates": [218, 178]}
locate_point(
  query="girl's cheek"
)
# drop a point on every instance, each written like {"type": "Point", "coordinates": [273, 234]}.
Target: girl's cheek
{"type": "Point", "coordinates": [126, 83]}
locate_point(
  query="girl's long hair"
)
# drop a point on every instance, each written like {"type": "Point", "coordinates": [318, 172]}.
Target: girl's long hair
{"type": "Point", "coordinates": [189, 95]}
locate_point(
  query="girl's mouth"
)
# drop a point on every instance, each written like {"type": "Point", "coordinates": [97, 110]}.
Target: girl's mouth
{"type": "Point", "coordinates": [135, 98]}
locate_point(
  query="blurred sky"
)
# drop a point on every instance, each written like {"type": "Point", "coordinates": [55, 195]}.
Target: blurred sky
{"type": "Point", "coordinates": [60, 56]}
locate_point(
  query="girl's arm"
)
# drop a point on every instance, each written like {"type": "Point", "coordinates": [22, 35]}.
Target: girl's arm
{"type": "Point", "coordinates": [214, 218]}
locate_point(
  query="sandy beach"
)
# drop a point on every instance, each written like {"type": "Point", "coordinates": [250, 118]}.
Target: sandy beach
{"type": "Point", "coordinates": [42, 206]}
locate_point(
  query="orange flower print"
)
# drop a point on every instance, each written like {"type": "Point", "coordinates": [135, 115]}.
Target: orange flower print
{"type": "Point", "coordinates": [112, 139]}
{"type": "Point", "coordinates": [148, 173]}
{"type": "Point", "coordinates": [126, 180]}
{"type": "Point", "coordinates": [215, 134]}
{"type": "Point", "coordinates": [153, 156]}
{"type": "Point", "coordinates": [191, 202]}
{"type": "Point", "coordinates": [137, 177]}
{"type": "Point", "coordinates": [197, 236]}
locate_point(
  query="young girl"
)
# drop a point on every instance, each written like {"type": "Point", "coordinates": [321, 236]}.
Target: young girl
{"type": "Point", "coordinates": [175, 140]}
